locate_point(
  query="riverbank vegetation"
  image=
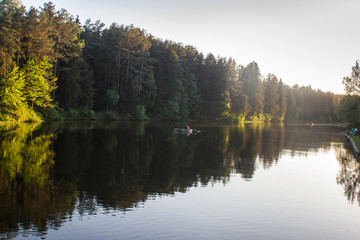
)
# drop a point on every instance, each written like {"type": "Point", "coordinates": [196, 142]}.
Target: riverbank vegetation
{"type": "Point", "coordinates": [349, 107]}
{"type": "Point", "coordinates": [53, 66]}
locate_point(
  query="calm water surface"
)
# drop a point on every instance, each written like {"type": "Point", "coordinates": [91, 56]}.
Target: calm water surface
{"type": "Point", "coordinates": [144, 181]}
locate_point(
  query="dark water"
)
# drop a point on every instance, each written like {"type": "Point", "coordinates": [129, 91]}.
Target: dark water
{"type": "Point", "coordinates": [144, 181]}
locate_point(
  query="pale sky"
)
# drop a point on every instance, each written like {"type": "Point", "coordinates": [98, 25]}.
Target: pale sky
{"type": "Point", "coordinates": [308, 42]}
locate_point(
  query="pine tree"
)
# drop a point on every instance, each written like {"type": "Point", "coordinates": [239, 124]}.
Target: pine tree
{"type": "Point", "coordinates": [239, 100]}
{"type": "Point", "coordinates": [11, 17]}
{"type": "Point", "coordinates": [36, 40]}
{"type": "Point", "coordinates": [207, 85]}
{"type": "Point", "coordinates": [282, 100]}
{"type": "Point", "coordinates": [253, 89]}
{"type": "Point", "coordinates": [272, 97]}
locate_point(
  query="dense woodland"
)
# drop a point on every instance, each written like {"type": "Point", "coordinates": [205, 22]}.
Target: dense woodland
{"type": "Point", "coordinates": [53, 66]}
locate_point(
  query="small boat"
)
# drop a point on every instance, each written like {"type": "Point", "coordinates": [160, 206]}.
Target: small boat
{"type": "Point", "coordinates": [183, 130]}
{"type": "Point", "coordinates": [191, 131]}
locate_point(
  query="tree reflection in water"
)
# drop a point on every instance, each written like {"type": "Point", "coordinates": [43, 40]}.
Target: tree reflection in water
{"type": "Point", "coordinates": [349, 174]}
{"type": "Point", "coordinates": [29, 197]}
{"type": "Point", "coordinates": [116, 166]}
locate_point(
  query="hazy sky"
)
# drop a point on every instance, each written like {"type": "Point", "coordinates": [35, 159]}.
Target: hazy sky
{"type": "Point", "coordinates": [305, 41]}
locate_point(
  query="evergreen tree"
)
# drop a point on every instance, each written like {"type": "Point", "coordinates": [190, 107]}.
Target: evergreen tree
{"type": "Point", "coordinates": [64, 32]}
{"type": "Point", "coordinates": [239, 101]}
{"type": "Point", "coordinates": [272, 96]}
{"type": "Point", "coordinates": [37, 30]}
{"type": "Point", "coordinates": [214, 87]}
{"type": "Point", "coordinates": [169, 77]}
{"type": "Point", "coordinates": [349, 110]}
{"type": "Point", "coordinates": [207, 86]}
{"type": "Point", "coordinates": [253, 88]}
{"type": "Point", "coordinates": [75, 85]}
{"type": "Point", "coordinates": [282, 100]}
{"type": "Point", "coordinates": [11, 17]}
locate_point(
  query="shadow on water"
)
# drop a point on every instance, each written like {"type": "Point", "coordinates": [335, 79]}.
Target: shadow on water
{"type": "Point", "coordinates": [48, 172]}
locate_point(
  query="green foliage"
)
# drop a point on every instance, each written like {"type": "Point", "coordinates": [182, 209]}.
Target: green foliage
{"type": "Point", "coordinates": [113, 97]}
{"type": "Point", "coordinates": [123, 71]}
{"type": "Point", "coordinates": [356, 140]}
{"type": "Point", "coordinates": [282, 101]}
{"type": "Point", "coordinates": [26, 114]}
{"type": "Point", "coordinates": [140, 112]}
{"type": "Point", "coordinates": [257, 118]}
{"type": "Point", "coordinates": [55, 113]}
{"type": "Point", "coordinates": [226, 114]}
{"type": "Point", "coordinates": [253, 88]}
{"type": "Point", "coordinates": [10, 34]}
{"type": "Point", "coordinates": [36, 42]}
{"type": "Point", "coordinates": [349, 110]}
{"type": "Point", "coordinates": [11, 90]}
{"type": "Point", "coordinates": [75, 84]}
{"type": "Point", "coordinates": [39, 83]}
{"type": "Point", "coordinates": [110, 115]}
{"type": "Point", "coordinates": [86, 114]}
{"type": "Point", "coordinates": [12, 100]}
{"type": "Point", "coordinates": [272, 96]}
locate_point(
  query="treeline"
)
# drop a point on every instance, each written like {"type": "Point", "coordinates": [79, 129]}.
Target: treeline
{"type": "Point", "coordinates": [80, 70]}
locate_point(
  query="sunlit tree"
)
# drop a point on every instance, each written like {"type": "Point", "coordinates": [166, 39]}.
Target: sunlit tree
{"type": "Point", "coordinates": [39, 83]}
{"type": "Point", "coordinates": [352, 83]}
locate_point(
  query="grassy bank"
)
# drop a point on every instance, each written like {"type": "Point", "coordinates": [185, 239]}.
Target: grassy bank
{"type": "Point", "coordinates": [356, 140]}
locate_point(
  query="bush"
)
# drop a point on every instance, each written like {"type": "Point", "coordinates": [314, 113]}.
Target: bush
{"type": "Point", "coordinates": [86, 114]}
{"type": "Point", "coordinates": [140, 112]}
{"type": "Point", "coordinates": [257, 118]}
{"type": "Point", "coordinates": [109, 115]}
{"type": "Point", "coordinates": [22, 114]}
{"type": "Point", "coordinates": [55, 113]}
{"type": "Point", "coordinates": [72, 114]}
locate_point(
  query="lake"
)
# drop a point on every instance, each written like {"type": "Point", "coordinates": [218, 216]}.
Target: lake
{"type": "Point", "coordinates": [120, 180]}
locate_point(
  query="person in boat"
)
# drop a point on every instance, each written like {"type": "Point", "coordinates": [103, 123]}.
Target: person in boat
{"type": "Point", "coordinates": [188, 129]}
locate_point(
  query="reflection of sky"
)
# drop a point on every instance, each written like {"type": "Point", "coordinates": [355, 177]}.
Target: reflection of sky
{"type": "Point", "coordinates": [298, 198]}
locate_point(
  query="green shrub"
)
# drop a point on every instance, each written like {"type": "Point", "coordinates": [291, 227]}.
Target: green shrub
{"type": "Point", "coordinates": [55, 113]}
{"type": "Point", "coordinates": [72, 114]}
{"type": "Point", "coordinates": [140, 112]}
{"type": "Point", "coordinates": [110, 115]}
{"type": "Point", "coordinates": [86, 114]}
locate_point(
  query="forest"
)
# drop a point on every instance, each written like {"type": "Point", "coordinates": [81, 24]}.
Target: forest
{"type": "Point", "coordinates": [52, 66]}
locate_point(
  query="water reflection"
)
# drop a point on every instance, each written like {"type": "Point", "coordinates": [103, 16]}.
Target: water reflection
{"type": "Point", "coordinates": [29, 197]}
{"type": "Point", "coordinates": [48, 173]}
{"type": "Point", "coordinates": [349, 174]}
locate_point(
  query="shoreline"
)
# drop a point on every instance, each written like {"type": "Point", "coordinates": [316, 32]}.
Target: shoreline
{"type": "Point", "coordinates": [353, 146]}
